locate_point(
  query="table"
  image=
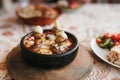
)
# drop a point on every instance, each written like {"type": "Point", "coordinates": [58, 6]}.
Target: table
{"type": "Point", "coordinates": [86, 23]}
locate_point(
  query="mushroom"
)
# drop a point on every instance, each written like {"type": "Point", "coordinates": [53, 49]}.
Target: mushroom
{"type": "Point", "coordinates": [38, 31]}
{"type": "Point", "coordinates": [56, 26]}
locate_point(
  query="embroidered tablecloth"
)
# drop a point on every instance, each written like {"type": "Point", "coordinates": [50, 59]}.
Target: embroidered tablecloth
{"type": "Point", "coordinates": [86, 23]}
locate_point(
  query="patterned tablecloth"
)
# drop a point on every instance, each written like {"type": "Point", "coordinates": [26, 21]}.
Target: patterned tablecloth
{"type": "Point", "coordinates": [86, 23]}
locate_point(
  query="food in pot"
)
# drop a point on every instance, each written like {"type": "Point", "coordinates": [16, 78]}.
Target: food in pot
{"type": "Point", "coordinates": [54, 41]}
{"type": "Point", "coordinates": [37, 11]}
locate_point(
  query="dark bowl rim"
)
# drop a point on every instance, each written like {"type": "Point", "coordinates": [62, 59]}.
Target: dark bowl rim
{"type": "Point", "coordinates": [53, 55]}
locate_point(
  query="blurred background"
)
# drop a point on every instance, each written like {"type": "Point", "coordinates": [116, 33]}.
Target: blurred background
{"type": "Point", "coordinates": [7, 3]}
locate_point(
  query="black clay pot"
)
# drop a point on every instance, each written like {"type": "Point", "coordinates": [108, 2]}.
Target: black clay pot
{"type": "Point", "coordinates": [49, 61]}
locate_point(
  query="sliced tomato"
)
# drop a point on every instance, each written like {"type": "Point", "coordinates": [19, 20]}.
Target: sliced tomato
{"type": "Point", "coordinates": [107, 35]}
{"type": "Point", "coordinates": [74, 5]}
{"type": "Point", "coordinates": [99, 40]}
{"type": "Point", "coordinates": [118, 34]}
{"type": "Point", "coordinates": [116, 37]}
{"type": "Point", "coordinates": [116, 43]}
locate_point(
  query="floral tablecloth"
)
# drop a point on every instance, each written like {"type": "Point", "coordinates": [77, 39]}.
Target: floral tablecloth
{"type": "Point", "coordinates": [86, 23]}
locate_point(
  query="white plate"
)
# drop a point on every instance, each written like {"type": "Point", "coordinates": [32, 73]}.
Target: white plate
{"type": "Point", "coordinates": [101, 53]}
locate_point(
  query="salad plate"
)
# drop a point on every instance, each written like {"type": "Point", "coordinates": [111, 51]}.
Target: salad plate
{"type": "Point", "coordinates": [101, 53]}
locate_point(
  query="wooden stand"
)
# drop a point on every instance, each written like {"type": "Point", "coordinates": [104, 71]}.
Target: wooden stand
{"type": "Point", "coordinates": [77, 70]}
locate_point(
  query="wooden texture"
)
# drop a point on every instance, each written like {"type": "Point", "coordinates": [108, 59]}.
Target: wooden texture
{"type": "Point", "coordinates": [77, 70]}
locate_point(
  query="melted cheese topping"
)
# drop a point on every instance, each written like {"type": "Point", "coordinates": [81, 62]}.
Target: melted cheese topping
{"type": "Point", "coordinates": [51, 42]}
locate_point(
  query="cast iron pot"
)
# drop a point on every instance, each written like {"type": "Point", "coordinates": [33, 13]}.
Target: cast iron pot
{"type": "Point", "coordinates": [49, 61]}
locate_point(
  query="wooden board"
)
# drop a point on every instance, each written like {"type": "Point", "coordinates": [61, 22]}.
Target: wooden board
{"type": "Point", "coordinates": [77, 70]}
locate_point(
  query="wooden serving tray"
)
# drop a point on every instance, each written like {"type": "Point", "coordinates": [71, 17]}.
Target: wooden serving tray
{"type": "Point", "coordinates": [77, 70]}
